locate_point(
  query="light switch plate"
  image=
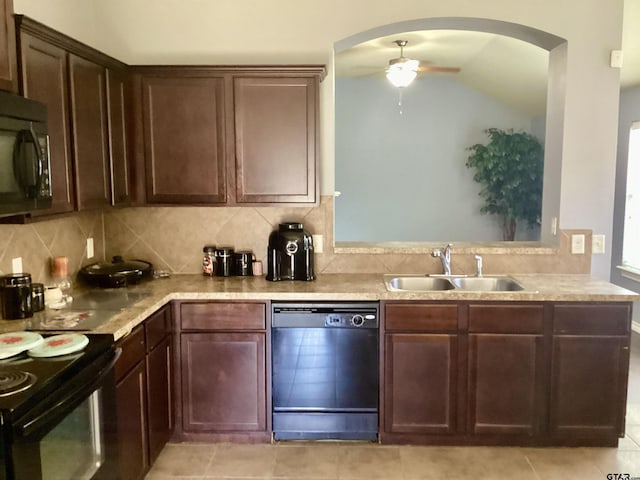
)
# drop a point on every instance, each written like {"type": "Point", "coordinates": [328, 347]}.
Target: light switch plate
{"type": "Point", "coordinates": [90, 252]}
{"type": "Point", "coordinates": [577, 243]}
{"type": "Point", "coordinates": [597, 244]}
{"type": "Point", "coordinates": [16, 265]}
{"type": "Point", "coordinates": [318, 243]}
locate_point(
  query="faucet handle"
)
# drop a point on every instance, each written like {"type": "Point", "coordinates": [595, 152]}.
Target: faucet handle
{"type": "Point", "coordinates": [478, 265]}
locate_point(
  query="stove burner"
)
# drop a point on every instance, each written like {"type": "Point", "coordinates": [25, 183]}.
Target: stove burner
{"type": "Point", "coordinates": [14, 382]}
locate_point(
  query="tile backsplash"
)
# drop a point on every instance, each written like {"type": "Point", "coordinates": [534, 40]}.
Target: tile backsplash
{"type": "Point", "coordinates": [172, 239]}
{"type": "Point", "coordinates": [38, 242]}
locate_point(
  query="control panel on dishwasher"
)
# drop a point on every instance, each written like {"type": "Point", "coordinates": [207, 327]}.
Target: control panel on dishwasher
{"type": "Point", "coordinates": [325, 370]}
{"type": "Point", "coordinates": [316, 315]}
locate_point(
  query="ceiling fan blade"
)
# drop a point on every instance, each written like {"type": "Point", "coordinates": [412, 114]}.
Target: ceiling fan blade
{"type": "Point", "coordinates": [429, 68]}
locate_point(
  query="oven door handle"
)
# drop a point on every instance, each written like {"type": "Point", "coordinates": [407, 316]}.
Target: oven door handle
{"type": "Point", "coordinates": [69, 402]}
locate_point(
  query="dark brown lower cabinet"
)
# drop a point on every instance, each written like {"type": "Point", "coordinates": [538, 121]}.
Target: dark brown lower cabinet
{"type": "Point", "coordinates": [222, 371]}
{"type": "Point", "coordinates": [144, 394]}
{"type": "Point", "coordinates": [589, 373]}
{"type": "Point", "coordinates": [223, 382]}
{"type": "Point", "coordinates": [504, 384]}
{"type": "Point", "coordinates": [131, 401]}
{"type": "Point", "coordinates": [420, 383]}
{"type": "Point", "coordinates": [505, 373]}
{"type": "Point", "coordinates": [131, 406]}
{"type": "Point", "coordinates": [588, 387]}
{"type": "Point", "coordinates": [160, 390]}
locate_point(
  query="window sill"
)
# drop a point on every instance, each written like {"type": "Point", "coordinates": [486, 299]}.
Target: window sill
{"type": "Point", "coordinates": [629, 272]}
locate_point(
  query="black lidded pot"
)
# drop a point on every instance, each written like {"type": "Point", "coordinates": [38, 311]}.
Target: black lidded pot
{"type": "Point", "coordinates": [15, 292]}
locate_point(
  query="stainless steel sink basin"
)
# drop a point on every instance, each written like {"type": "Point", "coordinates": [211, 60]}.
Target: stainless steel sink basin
{"type": "Point", "coordinates": [487, 284]}
{"type": "Point", "coordinates": [425, 283]}
{"type": "Point", "coordinates": [416, 283]}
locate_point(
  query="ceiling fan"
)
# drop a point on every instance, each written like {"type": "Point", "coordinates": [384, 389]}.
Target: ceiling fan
{"type": "Point", "coordinates": [402, 70]}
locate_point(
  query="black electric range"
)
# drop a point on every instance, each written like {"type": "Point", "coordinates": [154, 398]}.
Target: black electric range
{"type": "Point", "coordinates": [33, 379]}
{"type": "Point", "coordinates": [69, 401]}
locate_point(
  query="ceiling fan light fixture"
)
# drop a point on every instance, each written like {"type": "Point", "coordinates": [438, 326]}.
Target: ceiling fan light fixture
{"type": "Point", "coordinates": [402, 72]}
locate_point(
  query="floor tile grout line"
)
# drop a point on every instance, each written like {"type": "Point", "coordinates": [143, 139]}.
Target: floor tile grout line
{"type": "Point", "coordinates": [532, 467]}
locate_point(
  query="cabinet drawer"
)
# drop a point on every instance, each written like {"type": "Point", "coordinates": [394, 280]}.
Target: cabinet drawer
{"type": "Point", "coordinates": [592, 319]}
{"type": "Point", "coordinates": [421, 317]}
{"type": "Point", "coordinates": [223, 316]}
{"type": "Point", "coordinates": [506, 318]}
{"type": "Point", "coordinates": [133, 351]}
{"type": "Point", "coordinates": [157, 326]}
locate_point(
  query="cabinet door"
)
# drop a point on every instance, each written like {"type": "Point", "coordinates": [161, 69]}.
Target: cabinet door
{"type": "Point", "coordinates": [420, 378]}
{"type": "Point", "coordinates": [275, 140]}
{"type": "Point", "coordinates": [160, 392]}
{"type": "Point", "coordinates": [588, 386]}
{"type": "Point", "coordinates": [116, 106]}
{"type": "Point", "coordinates": [8, 78]}
{"type": "Point", "coordinates": [184, 139]}
{"type": "Point", "coordinates": [132, 429]}
{"type": "Point", "coordinates": [505, 383]}
{"type": "Point", "coordinates": [223, 382]}
{"type": "Point", "coordinates": [44, 78]}
{"type": "Point", "coordinates": [89, 127]}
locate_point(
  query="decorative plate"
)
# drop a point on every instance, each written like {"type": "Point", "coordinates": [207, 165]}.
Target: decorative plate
{"type": "Point", "coordinates": [8, 353]}
{"type": "Point", "coordinates": [19, 341]}
{"type": "Point", "coordinates": [60, 345]}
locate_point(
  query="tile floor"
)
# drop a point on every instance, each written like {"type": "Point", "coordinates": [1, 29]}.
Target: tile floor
{"type": "Point", "coordinates": [354, 461]}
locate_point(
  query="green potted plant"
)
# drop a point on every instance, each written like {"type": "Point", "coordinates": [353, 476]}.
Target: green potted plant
{"type": "Point", "coordinates": [510, 169]}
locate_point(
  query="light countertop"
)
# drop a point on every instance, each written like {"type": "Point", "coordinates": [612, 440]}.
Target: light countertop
{"type": "Point", "coordinates": [341, 287]}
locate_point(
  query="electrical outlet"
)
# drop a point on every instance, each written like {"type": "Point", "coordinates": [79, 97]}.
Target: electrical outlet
{"type": "Point", "coordinates": [597, 244]}
{"type": "Point", "coordinates": [16, 265]}
{"type": "Point", "coordinates": [577, 243]}
{"type": "Point", "coordinates": [318, 243]}
{"type": "Point", "coordinates": [90, 252]}
{"type": "Point", "coordinates": [616, 58]}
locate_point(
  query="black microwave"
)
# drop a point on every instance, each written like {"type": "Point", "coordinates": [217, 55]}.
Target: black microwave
{"type": "Point", "coordinates": [25, 174]}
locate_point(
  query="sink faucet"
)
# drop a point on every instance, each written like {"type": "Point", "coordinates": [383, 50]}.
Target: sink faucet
{"type": "Point", "coordinates": [445, 257]}
{"type": "Point", "coordinates": [478, 265]}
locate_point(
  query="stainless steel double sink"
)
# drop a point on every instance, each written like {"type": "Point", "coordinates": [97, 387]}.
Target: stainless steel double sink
{"type": "Point", "coordinates": [427, 283]}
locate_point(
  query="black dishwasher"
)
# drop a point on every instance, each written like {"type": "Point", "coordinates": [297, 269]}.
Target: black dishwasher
{"type": "Point", "coordinates": [325, 370]}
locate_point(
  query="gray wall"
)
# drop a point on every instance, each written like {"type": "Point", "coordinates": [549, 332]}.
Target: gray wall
{"type": "Point", "coordinates": [629, 112]}
{"type": "Point", "coordinates": [419, 155]}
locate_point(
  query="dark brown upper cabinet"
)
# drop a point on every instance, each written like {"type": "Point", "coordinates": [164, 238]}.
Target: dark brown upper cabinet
{"type": "Point", "coordinates": [8, 69]}
{"type": "Point", "coordinates": [118, 145]}
{"type": "Point", "coordinates": [44, 78]}
{"type": "Point", "coordinates": [228, 135]}
{"type": "Point", "coordinates": [184, 138]}
{"type": "Point", "coordinates": [86, 94]}
{"type": "Point", "coordinates": [89, 127]}
{"type": "Point", "coordinates": [275, 139]}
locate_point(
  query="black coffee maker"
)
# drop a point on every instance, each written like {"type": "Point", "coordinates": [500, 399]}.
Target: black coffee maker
{"type": "Point", "coordinates": [290, 253]}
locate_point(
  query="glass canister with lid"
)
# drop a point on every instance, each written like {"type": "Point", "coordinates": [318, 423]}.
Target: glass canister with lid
{"type": "Point", "coordinates": [209, 260]}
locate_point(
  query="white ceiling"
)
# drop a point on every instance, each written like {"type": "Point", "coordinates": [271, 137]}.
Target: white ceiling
{"type": "Point", "coordinates": [510, 70]}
